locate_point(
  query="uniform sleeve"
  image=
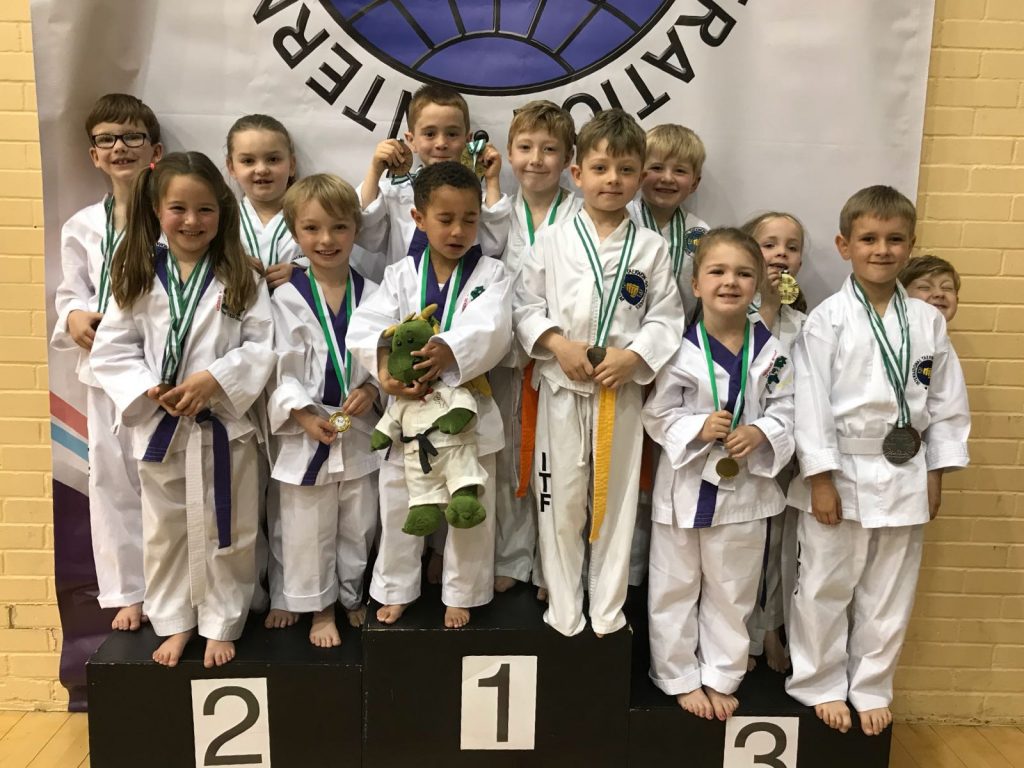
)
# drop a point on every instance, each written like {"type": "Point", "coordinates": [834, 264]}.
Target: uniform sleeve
{"type": "Point", "coordinates": [244, 371]}
{"type": "Point", "coordinates": [463, 398]}
{"type": "Point", "coordinates": [495, 223]}
{"type": "Point", "coordinates": [119, 364]}
{"type": "Point", "coordinates": [948, 408]}
{"type": "Point", "coordinates": [670, 420]}
{"type": "Point", "coordinates": [664, 322]}
{"type": "Point", "coordinates": [371, 318]}
{"type": "Point", "coordinates": [361, 373]}
{"type": "Point", "coordinates": [529, 304]}
{"type": "Point", "coordinates": [776, 422]}
{"type": "Point", "coordinates": [375, 226]}
{"type": "Point", "coordinates": [292, 343]}
{"type": "Point", "coordinates": [483, 334]}
{"type": "Point", "coordinates": [391, 422]}
{"type": "Point", "coordinates": [817, 444]}
{"type": "Point", "coordinates": [76, 289]}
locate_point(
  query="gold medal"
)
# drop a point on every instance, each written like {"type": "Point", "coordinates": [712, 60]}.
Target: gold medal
{"type": "Point", "coordinates": [727, 467]}
{"type": "Point", "coordinates": [789, 289]}
{"type": "Point", "coordinates": [340, 421]}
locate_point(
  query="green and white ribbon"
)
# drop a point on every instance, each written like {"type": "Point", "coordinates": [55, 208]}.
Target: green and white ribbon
{"type": "Point", "coordinates": [897, 365]}
{"type": "Point", "coordinates": [747, 354]}
{"type": "Point", "coordinates": [551, 215]}
{"type": "Point", "coordinates": [343, 372]}
{"type": "Point", "coordinates": [608, 299]}
{"type": "Point", "coordinates": [253, 240]}
{"type": "Point", "coordinates": [676, 234]}
{"type": "Point", "coordinates": [183, 300]}
{"type": "Point", "coordinates": [455, 285]}
{"type": "Point", "coordinates": [108, 245]}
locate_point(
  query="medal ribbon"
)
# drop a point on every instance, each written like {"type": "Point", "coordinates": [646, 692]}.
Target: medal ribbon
{"type": "Point", "coordinates": [747, 358]}
{"type": "Point", "coordinates": [608, 299]}
{"type": "Point", "coordinates": [253, 241]}
{"type": "Point", "coordinates": [450, 294]}
{"type": "Point", "coordinates": [107, 246]}
{"type": "Point", "coordinates": [676, 234]}
{"type": "Point", "coordinates": [897, 366]}
{"type": "Point", "coordinates": [343, 372]}
{"type": "Point", "coordinates": [182, 301]}
{"type": "Point", "coordinates": [551, 215]}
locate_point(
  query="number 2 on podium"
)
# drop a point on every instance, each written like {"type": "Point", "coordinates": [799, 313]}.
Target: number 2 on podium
{"type": "Point", "coordinates": [499, 702]}
{"type": "Point", "coordinates": [230, 722]}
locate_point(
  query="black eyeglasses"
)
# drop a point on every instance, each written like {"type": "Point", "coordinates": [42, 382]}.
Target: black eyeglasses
{"type": "Point", "coordinates": [108, 140]}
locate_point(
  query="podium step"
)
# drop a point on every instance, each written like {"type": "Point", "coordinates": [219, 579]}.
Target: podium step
{"type": "Point", "coordinates": [280, 702]}
{"type": "Point", "coordinates": [506, 689]}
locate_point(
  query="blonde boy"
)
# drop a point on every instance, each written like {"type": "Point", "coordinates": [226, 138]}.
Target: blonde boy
{"type": "Point", "coordinates": [672, 172]}
{"type": "Point", "coordinates": [934, 281]}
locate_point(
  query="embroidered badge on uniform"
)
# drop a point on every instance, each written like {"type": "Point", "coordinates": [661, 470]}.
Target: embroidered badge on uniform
{"type": "Point", "coordinates": [476, 292]}
{"type": "Point", "coordinates": [774, 373]}
{"type": "Point", "coordinates": [693, 236]}
{"type": "Point", "coordinates": [923, 371]}
{"type": "Point", "coordinates": [634, 288]}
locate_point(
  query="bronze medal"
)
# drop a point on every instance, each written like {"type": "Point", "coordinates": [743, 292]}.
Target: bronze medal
{"type": "Point", "coordinates": [727, 467]}
{"type": "Point", "coordinates": [789, 289]}
{"type": "Point", "coordinates": [596, 355]}
{"type": "Point", "coordinates": [901, 445]}
{"type": "Point", "coordinates": [340, 421]}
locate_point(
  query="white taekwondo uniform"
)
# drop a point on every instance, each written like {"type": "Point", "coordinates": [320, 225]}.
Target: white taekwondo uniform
{"type": "Point", "coordinates": [479, 337]}
{"type": "Point", "coordinates": [198, 475]}
{"type": "Point", "coordinates": [328, 493]}
{"type": "Point", "coordinates": [115, 510]}
{"type": "Point", "coordinates": [707, 538]}
{"type": "Point", "coordinates": [556, 291]}
{"type": "Point", "coordinates": [856, 580]}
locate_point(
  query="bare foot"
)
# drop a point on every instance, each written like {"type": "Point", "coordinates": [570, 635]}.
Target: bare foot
{"type": "Point", "coordinates": [751, 663]}
{"type": "Point", "coordinates": [504, 583]}
{"type": "Point", "coordinates": [874, 721]}
{"type": "Point", "coordinates": [724, 704]}
{"type": "Point", "coordinates": [218, 653]}
{"type": "Point", "coordinates": [279, 619]}
{"type": "Point", "coordinates": [356, 617]}
{"type": "Point", "coordinates": [324, 632]}
{"type": "Point", "coordinates": [389, 614]}
{"type": "Point", "coordinates": [696, 703]}
{"type": "Point", "coordinates": [128, 618]}
{"type": "Point", "coordinates": [835, 714]}
{"type": "Point", "coordinates": [455, 618]}
{"type": "Point", "coordinates": [542, 594]}
{"type": "Point", "coordinates": [435, 568]}
{"type": "Point", "coordinates": [775, 651]}
{"type": "Point", "coordinates": [170, 650]}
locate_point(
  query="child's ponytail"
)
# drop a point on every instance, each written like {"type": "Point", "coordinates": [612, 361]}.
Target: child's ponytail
{"type": "Point", "coordinates": [131, 269]}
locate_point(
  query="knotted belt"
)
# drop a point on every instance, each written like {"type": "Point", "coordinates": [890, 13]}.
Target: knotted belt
{"type": "Point", "coordinates": [426, 448]}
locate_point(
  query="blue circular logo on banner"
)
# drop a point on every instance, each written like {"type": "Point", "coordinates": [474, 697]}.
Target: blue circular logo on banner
{"type": "Point", "coordinates": [498, 47]}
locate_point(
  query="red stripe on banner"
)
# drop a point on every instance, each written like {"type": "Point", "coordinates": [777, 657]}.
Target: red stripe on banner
{"type": "Point", "coordinates": [70, 415]}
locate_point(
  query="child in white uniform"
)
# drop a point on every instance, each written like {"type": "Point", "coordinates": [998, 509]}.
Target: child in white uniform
{"type": "Point", "coordinates": [439, 128]}
{"type": "Point", "coordinates": [184, 350]}
{"type": "Point", "coordinates": [781, 239]}
{"type": "Point", "coordinates": [596, 280]}
{"type": "Point", "coordinates": [125, 138]}
{"type": "Point", "coordinates": [882, 412]}
{"type": "Point", "coordinates": [722, 412]}
{"type": "Point", "coordinates": [473, 297]}
{"type": "Point", "coordinates": [321, 412]}
{"type": "Point", "coordinates": [541, 138]}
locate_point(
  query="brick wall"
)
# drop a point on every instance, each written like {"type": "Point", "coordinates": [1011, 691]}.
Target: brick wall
{"type": "Point", "coordinates": [964, 658]}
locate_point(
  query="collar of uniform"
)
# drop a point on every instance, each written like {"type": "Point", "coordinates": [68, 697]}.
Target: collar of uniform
{"type": "Point", "coordinates": [617, 235]}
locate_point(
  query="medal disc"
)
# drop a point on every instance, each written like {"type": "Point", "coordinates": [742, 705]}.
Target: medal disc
{"type": "Point", "coordinates": [789, 289]}
{"type": "Point", "coordinates": [727, 467]}
{"type": "Point", "coordinates": [340, 421]}
{"type": "Point", "coordinates": [901, 445]}
{"type": "Point", "coordinates": [596, 355]}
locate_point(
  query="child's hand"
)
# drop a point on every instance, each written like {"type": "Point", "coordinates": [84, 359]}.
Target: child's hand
{"type": "Point", "coordinates": [192, 395]}
{"type": "Point", "coordinates": [315, 425]}
{"type": "Point", "coordinates": [359, 400]}
{"type": "Point", "coordinates": [393, 155]}
{"type": "Point", "coordinates": [279, 274]}
{"type": "Point", "coordinates": [82, 327]}
{"type": "Point", "coordinates": [158, 393]}
{"type": "Point", "coordinates": [825, 502]}
{"type": "Point", "coordinates": [490, 159]}
{"type": "Point", "coordinates": [934, 492]}
{"type": "Point", "coordinates": [617, 368]}
{"type": "Point", "coordinates": [743, 440]}
{"type": "Point", "coordinates": [716, 427]}
{"type": "Point", "coordinates": [437, 357]}
{"type": "Point", "coordinates": [572, 356]}
{"type": "Point", "coordinates": [389, 385]}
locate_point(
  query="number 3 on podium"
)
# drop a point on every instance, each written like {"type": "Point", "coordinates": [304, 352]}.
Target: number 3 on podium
{"type": "Point", "coordinates": [751, 742]}
{"type": "Point", "coordinates": [499, 702]}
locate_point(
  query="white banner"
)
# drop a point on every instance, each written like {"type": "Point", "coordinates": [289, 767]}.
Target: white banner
{"type": "Point", "coordinates": [799, 103]}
